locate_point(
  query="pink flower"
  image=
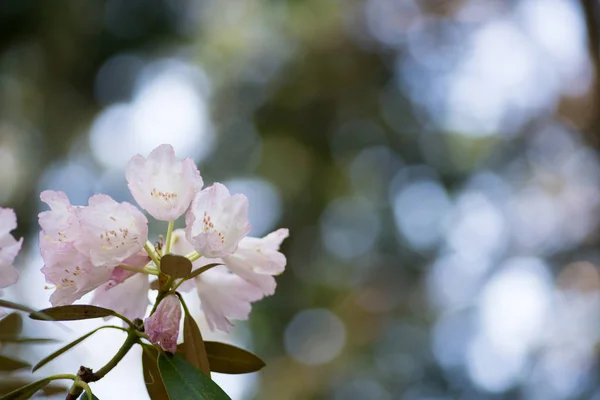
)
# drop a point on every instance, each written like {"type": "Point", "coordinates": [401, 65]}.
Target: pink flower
{"type": "Point", "coordinates": [73, 275]}
{"type": "Point", "coordinates": [217, 221]}
{"type": "Point", "coordinates": [163, 326]}
{"type": "Point", "coordinates": [110, 232]}
{"type": "Point", "coordinates": [128, 297]}
{"type": "Point", "coordinates": [9, 247]}
{"type": "Point", "coordinates": [60, 225]}
{"type": "Point", "coordinates": [126, 291]}
{"type": "Point", "coordinates": [163, 185]}
{"type": "Point", "coordinates": [256, 260]}
{"type": "Point", "coordinates": [225, 296]}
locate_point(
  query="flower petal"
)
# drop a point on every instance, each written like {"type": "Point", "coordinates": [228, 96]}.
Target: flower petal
{"type": "Point", "coordinates": [256, 260]}
{"type": "Point", "coordinates": [225, 296]}
{"type": "Point", "coordinates": [128, 297]}
{"type": "Point", "coordinates": [163, 185]}
{"type": "Point", "coordinates": [217, 221]}
{"type": "Point", "coordinates": [110, 232]}
{"type": "Point", "coordinates": [73, 275]}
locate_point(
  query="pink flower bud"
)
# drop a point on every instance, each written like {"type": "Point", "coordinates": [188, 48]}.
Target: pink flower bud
{"type": "Point", "coordinates": [163, 326]}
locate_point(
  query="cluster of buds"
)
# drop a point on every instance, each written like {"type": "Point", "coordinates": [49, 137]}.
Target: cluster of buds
{"type": "Point", "coordinates": [104, 248]}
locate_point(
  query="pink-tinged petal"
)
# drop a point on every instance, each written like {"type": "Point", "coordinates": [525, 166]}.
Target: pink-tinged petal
{"type": "Point", "coordinates": [9, 247]}
{"type": "Point", "coordinates": [119, 275]}
{"type": "Point", "coordinates": [256, 260]}
{"type": "Point", "coordinates": [217, 221]}
{"type": "Point", "coordinates": [128, 298]}
{"type": "Point", "coordinates": [73, 275]}
{"type": "Point", "coordinates": [162, 184]}
{"type": "Point", "coordinates": [225, 296]}
{"type": "Point", "coordinates": [60, 224]}
{"type": "Point", "coordinates": [182, 247]}
{"type": "Point", "coordinates": [111, 232]}
{"type": "Point", "coordinates": [163, 326]}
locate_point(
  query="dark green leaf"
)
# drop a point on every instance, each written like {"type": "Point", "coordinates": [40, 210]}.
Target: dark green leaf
{"type": "Point", "coordinates": [203, 269]}
{"type": "Point", "coordinates": [64, 349]}
{"type": "Point", "coordinates": [84, 396]}
{"type": "Point", "coordinates": [193, 345]}
{"type": "Point", "coordinates": [27, 340]}
{"type": "Point", "coordinates": [26, 392]}
{"type": "Point", "coordinates": [154, 385]}
{"type": "Point", "coordinates": [74, 312]}
{"type": "Point", "coordinates": [183, 381]}
{"type": "Point", "coordinates": [11, 325]}
{"type": "Point", "coordinates": [20, 307]}
{"type": "Point", "coordinates": [14, 383]}
{"type": "Point", "coordinates": [229, 359]}
{"type": "Point", "coordinates": [8, 364]}
{"type": "Point", "coordinates": [175, 266]}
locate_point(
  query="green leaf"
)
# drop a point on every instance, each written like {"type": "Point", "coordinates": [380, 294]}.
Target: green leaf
{"type": "Point", "coordinates": [183, 381]}
{"type": "Point", "coordinates": [175, 266]}
{"type": "Point", "coordinates": [8, 364]}
{"type": "Point", "coordinates": [75, 312]}
{"type": "Point", "coordinates": [20, 307]}
{"type": "Point", "coordinates": [154, 385]}
{"type": "Point", "coordinates": [27, 340]}
{"type": "Point", "coordinates": [64, 349]}
{"type": "Point", "coordinates": [7, 386]}
{"type": "Point", "coordinates": [26, 392]}
{"type": "Point", "coordinates": [203, 269]}
{"type": "Point", "coordinates": [84, 396]}
{"type": "Point", "coordinates": [193, 345]}
{"type": "Point", "coordinates": [228, 359]}
{"type": "Point", "coordinates": [11, 325]}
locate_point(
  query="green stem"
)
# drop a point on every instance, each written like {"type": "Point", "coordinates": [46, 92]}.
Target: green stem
{"type": "Point", "coordinates": [169, 237]}
{"type": "Point", "coordinates": [62, 376]}
{"type": "Point", "coordinates": [85, 387]}
{"type": "Point", "coordinates": [144, 270]}
{"type": "Point", "coordinates": [149, 247]}
{"type": "Point", "coordinates": [193, 256]}
{"type": "Point", "coordinates": [132, 338]}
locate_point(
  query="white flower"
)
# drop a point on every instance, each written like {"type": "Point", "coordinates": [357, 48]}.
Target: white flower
{"type": "Point", "coordinates": [163, 185]}
{"type": "Point", "coordinates": [225, 296]}
{"type": "Point", "coordinates": [110, 232]}
{"type": "Point", "coordinates": [256, 260]}
{"type": "Point", "coordinates": [217, 221]}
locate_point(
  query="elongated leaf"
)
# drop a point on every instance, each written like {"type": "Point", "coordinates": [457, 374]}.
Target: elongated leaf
{"type": "Point", "coordinates": [75, 312]}
{"type": "Point", "coordinates": [14, 383]}
{"type": "Point", "coordinates": [183, 381]}
{"type": "Point", "coordinates": [27, 340]}
{"type": "Point", "coordinates": [203, 269]}
{"type": "Point", "coordinates": [9, 364]}
{"type": "Point", "coordinates": [20, 307]}
{"type": "Point", "coordinates": [193, 345]}
{"type": "Point", "coordinates": [84, 396]}
{"type": "Point", "coordinates": [229, 359]}
{"type": "Point", "coordinates": [154, 385]}
{"type": "Point", "coordinates": [64, 349]}
{"type": "Point", "coordinates": [26, 392]}
{"type": "Point", "coordinates": [175, 266]}
{"type": "Point", "coordinates": [11, 325]}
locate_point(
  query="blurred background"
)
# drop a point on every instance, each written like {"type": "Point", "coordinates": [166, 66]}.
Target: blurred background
{"type": "Point", "coordinates": [436, 162]}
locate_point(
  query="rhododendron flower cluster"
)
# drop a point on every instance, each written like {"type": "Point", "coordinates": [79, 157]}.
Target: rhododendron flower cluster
{"type": "Point", "coordinates": [104, 247]}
